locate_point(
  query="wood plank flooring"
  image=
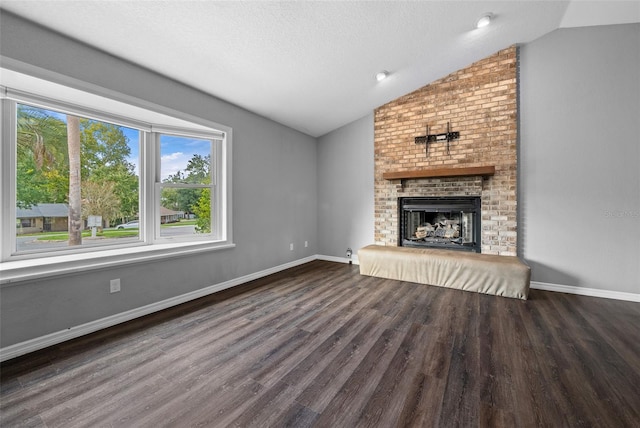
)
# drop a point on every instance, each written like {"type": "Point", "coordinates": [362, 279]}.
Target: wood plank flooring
{"type": "Point", "coordinates": [321, 346]}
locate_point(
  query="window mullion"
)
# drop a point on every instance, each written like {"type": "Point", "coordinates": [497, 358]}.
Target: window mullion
{"type": "Point", "coordinates": [152, 197]}
{"type": "Point", "coordinates": [8, 185]}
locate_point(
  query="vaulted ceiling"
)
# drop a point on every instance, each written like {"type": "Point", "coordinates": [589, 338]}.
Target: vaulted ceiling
{"type": "Point", "coordinates": [310, 64]}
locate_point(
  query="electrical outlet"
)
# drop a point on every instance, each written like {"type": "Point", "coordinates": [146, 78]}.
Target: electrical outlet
{"type": "Point", "coordinates": [291, 246]}
{"type": "Point", "coordinates": [114, 285]}
{"type": "Point", "coordinates": [306, 244]}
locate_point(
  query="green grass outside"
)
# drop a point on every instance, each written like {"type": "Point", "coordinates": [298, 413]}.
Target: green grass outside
{"type": "Point", "coordinates": [64, 236]}
{"type": "Point", "coordinates": [180, 223]}
{"type": "Point", "coordinates": [106, 233]}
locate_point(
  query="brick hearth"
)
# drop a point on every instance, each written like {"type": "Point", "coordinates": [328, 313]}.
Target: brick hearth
{"type": "Point", "coordinates": [480, 101]}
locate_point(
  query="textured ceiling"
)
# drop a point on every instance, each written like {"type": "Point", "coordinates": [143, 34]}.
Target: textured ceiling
{"type": "Point", "coordinates": [309, 64]}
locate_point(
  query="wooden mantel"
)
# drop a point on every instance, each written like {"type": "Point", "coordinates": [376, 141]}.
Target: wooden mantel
{"type": "Point", "coordinates": [441, 172]}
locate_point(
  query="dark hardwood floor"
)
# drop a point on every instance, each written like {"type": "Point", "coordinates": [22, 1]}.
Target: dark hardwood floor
{"type": "Point", "coordinates": [320, 345]}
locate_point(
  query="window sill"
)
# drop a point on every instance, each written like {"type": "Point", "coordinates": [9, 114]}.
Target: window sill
{"type": "Point", "coordinates": [14, 272]}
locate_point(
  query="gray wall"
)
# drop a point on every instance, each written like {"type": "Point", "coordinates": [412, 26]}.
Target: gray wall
{"type": "Point", "coordinates": [580, 157]}
{"type": "Point", "coordinates": [345, 188]}
{"type": "Point", "coordinates": [274, 197]}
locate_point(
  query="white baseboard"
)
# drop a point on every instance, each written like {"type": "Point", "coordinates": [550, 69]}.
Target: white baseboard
{"type": "Point", "coordinates": [42, 342]}
{"type": "Point", "coordinates": [354, 259]}
{"type": "Point", "coordinates": [583, 291]}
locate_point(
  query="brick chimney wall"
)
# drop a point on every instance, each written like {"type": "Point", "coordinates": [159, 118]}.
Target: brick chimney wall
{"type": "Point", "coordinates": [480, 102]}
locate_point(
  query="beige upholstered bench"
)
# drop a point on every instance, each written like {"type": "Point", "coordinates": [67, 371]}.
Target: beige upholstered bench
{"type": "Point", "coordinates": [483, 273]}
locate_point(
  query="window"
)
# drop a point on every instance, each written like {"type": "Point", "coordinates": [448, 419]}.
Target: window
{"type": "Point", "coordinates": [186, 185]}
{"type": "Point", "coordinates": [81, 179]}
{"type": "Point", "coordinates": [106, 181]}
{"type": "Point", "coordinates": [26, 222]}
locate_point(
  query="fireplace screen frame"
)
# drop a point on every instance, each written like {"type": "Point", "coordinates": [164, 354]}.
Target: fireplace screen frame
{"type": "Point", "coordinates": [453, 207]}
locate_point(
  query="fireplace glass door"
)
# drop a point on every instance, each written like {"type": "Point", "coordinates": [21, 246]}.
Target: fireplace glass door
{"type": "Point", "coordinates": [450, 223]}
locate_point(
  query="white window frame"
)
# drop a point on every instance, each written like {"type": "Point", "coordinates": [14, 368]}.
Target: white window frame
{"type": "Point", "coordinates": [152, 120]}
{"type": "Point", "coordinates": [217, 143]}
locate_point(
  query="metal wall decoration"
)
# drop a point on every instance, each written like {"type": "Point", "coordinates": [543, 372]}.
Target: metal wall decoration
{"type": "Point", "coordinates": [445, 136]}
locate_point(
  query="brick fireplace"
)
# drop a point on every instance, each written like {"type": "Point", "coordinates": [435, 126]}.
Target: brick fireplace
{"type": "Point", "coordinates": [479, 102]}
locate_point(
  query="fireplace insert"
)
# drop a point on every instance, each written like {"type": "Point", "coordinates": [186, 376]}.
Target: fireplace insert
{"type": "Point", "coordinates": [440, 222]}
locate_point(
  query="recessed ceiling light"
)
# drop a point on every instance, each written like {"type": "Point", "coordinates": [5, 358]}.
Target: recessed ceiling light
{"type": "Point", "coordinates": [380, 76]}
{"type": "Point", "coordinates": [484, 20]}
